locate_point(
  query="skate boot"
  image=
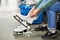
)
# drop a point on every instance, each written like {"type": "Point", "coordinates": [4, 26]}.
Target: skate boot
{"type": "Point", "coordinates": [21, 20]}
{"type": "Point", "coordinates": [19, 30]}
{"type": "Point", "coordinates": [23, 27]}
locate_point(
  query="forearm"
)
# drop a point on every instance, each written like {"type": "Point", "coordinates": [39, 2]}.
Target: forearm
{"type": "Point", "coordinates": [38, 3]}
{"type": "Point", "coordinates": [46, 4]}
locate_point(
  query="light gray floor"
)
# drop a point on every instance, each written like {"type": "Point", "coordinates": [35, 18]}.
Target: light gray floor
{"type": "Point", "coordinates": [7, 25]}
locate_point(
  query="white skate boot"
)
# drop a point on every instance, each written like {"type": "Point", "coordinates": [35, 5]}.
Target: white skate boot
{"type": "Point", "coordinates": [22, 28]}
{"type": "Point", "coordinates": [19, 30]}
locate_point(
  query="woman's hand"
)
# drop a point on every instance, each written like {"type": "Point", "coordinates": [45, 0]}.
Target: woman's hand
{"type": "Point", "coordinates": [31, 11]}
{"type": "Point", "coordinates": [34, 13]}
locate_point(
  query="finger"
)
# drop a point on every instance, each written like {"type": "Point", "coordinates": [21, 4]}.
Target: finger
{"type": "Point", "coordinates": [32, 15]}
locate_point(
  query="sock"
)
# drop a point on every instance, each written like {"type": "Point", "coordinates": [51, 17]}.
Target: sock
{"type": "Point", "coordinates": [52, 30]}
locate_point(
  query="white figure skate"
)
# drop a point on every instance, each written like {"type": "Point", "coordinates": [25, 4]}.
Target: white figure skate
{"type": "Point", "coordinates": [23, 27]}
{"type": "Point", "coordinates": [20, 30]}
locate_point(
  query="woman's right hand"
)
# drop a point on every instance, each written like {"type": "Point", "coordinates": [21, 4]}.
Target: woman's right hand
{"type": "Point", "coordinates": [31, 11]}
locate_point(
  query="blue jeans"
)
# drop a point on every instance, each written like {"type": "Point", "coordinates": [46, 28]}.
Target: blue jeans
{"type": "Point", "coordinates": [51, 14]}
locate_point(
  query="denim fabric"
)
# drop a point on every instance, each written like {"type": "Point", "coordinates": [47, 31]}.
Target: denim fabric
{"type": "Point", "coordinates": [51, 14]}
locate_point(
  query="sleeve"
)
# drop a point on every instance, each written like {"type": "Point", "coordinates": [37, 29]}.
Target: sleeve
{"type": "Point", "coordinates": [46, 4]}
{"type": "Point", "coordinates": [38, 3]}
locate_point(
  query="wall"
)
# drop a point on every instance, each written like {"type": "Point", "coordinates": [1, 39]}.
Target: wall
{"type": "Point", "coordinates": [8, 5]}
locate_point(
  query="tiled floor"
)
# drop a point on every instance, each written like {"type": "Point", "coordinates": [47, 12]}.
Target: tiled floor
{"type": "Point", "coordinates": [7, 25]}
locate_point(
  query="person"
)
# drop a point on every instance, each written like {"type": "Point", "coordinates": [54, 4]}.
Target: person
{"type": "Point", "coordinates": [51, 7]}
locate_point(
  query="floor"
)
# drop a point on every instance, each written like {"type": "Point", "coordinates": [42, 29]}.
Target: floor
{"type": "Point", "coordinates": [7, 25]}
